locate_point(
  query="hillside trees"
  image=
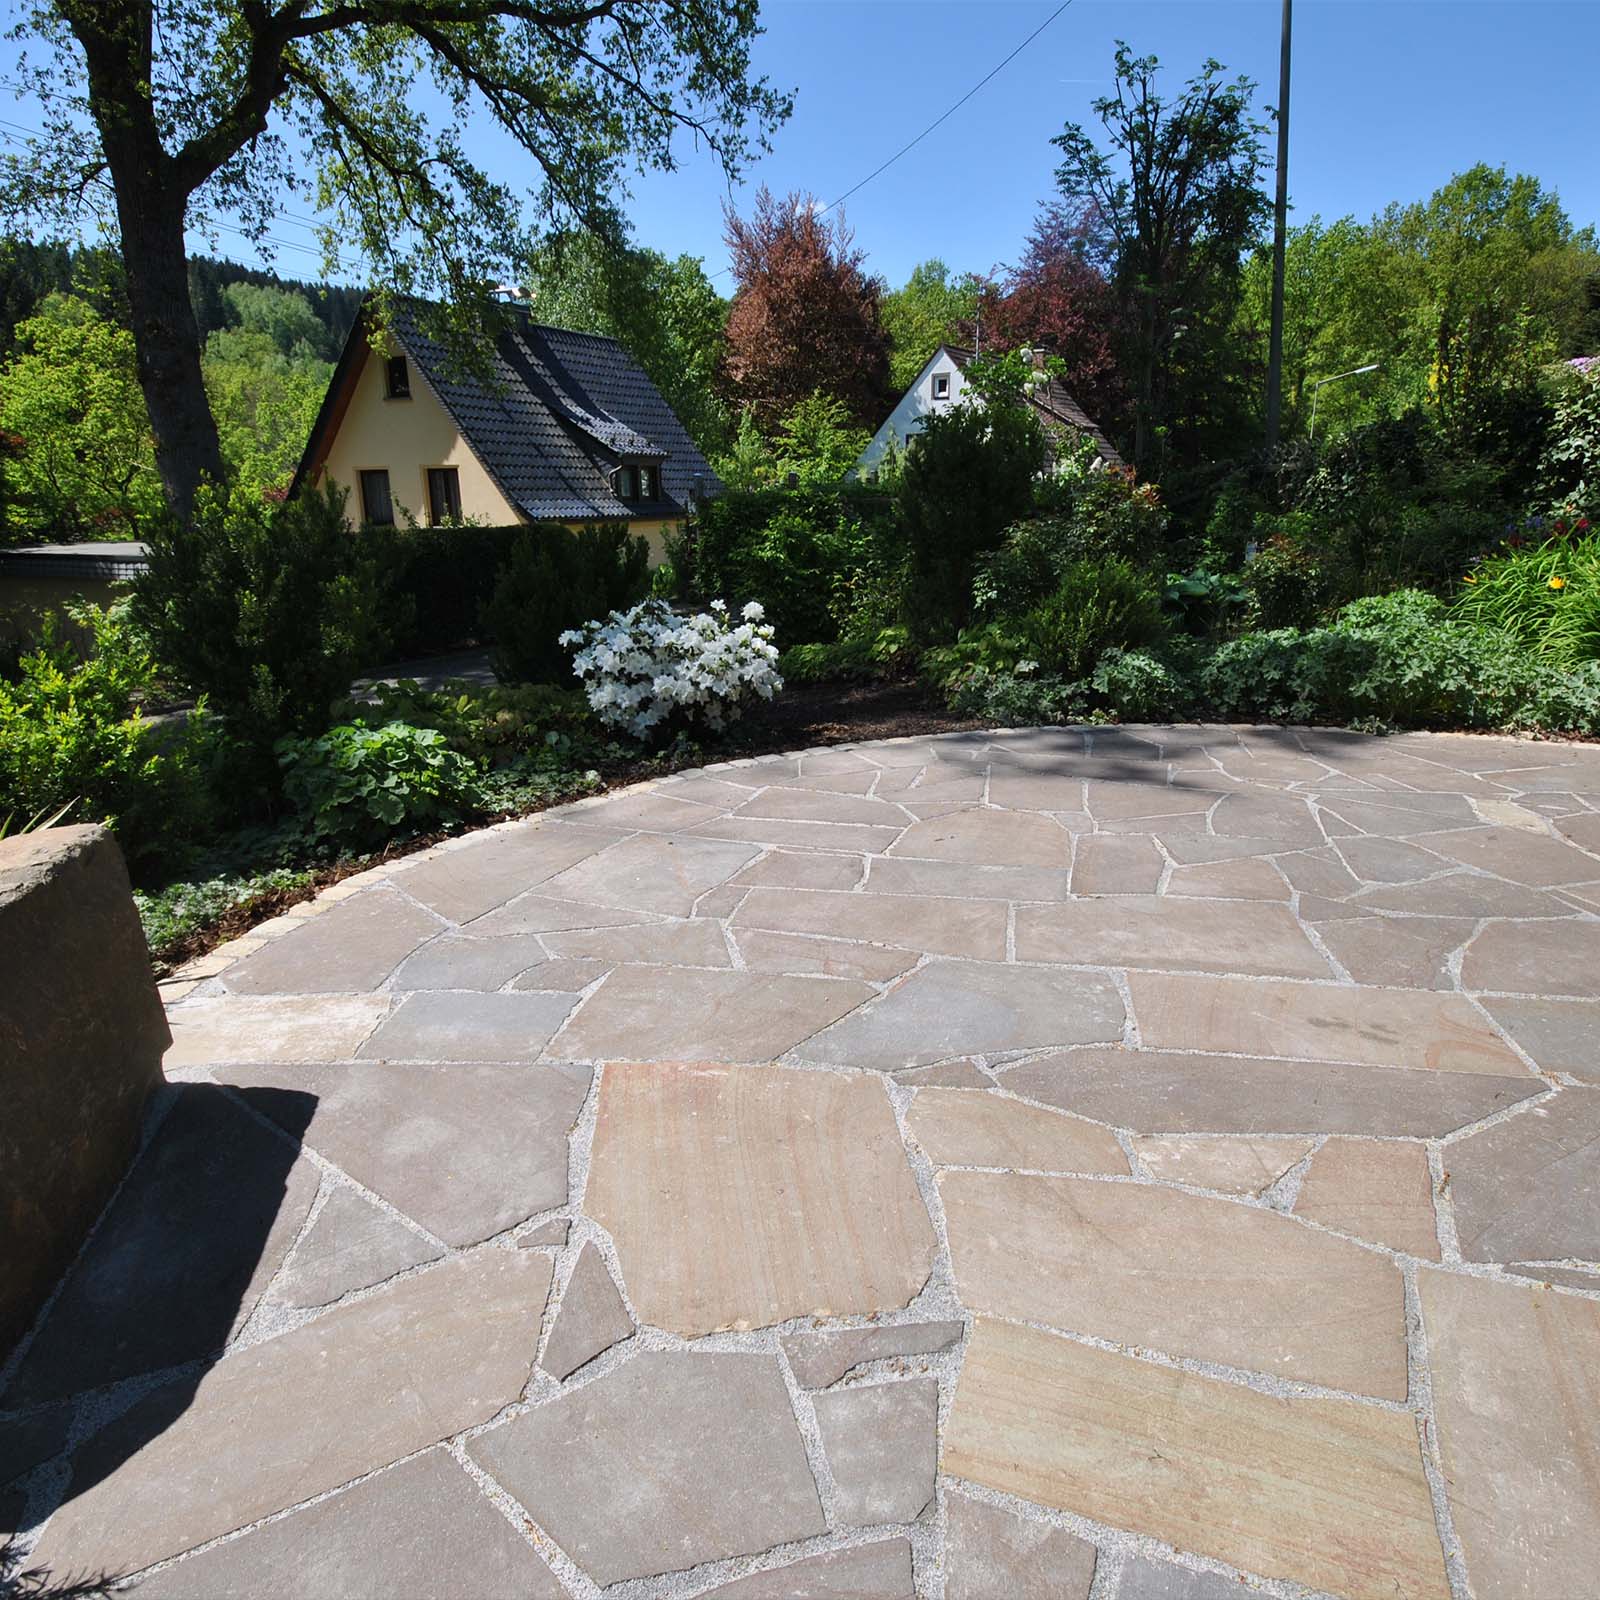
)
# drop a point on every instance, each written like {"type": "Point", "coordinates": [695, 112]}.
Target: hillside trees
{"type": "Point", "coordinates": [934, 307]}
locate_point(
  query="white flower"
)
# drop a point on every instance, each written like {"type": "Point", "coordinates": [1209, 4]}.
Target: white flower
{"type": "Point", "coordinates": [753, 612]}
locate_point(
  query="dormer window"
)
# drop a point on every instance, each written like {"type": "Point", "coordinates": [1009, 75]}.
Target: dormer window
{"type": "Point", "coordinates": [941, 386]}
{"type": "Point", "coordinates": [396, 378]}
{"type": "Point", "coordinates": [637, 483]}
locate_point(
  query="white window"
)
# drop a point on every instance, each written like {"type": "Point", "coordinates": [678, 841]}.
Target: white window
{"type": "Point", "coordinates": [941, 386]}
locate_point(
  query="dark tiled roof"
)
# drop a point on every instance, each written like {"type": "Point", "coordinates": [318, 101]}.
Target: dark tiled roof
{"type": "Point", "coordinates": [1059, 412]}
{"type": "Point", "coordinates": [106, 559]}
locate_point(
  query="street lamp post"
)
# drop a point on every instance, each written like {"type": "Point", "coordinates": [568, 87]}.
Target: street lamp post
{"type": "Point", "coordinates": [1280, 235]}
{"type": "Point", "coordinates": [1317, 387]}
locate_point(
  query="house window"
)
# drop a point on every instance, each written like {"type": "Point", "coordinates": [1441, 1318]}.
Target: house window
{"type": "Point", "coordinates": [377, 507]}
{"type": "Point", "coordinates": [396, 378]}
{"type": "Point", "coordinates": [638, 483]}
{"type": "Point", "coordinates": [444, 495]}
{"type": "Point", "coordinates": [941, 386]}
{"type": "Point", "coordinates": [647, 483]}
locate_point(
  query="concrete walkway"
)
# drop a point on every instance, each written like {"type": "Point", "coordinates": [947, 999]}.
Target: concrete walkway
{"type": "Point", "coordinates": [1138, 1164]}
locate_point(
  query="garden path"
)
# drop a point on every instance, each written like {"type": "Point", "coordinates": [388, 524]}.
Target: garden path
{"type": "Point", "coordinates": [1138, 1164]}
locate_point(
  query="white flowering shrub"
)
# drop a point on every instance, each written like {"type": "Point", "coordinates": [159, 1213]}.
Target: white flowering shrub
{"type": "Point", "coordinates": [645, 668]}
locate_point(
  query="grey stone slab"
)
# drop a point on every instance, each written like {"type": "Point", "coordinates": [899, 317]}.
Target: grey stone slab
{"type": "Point", "coordinates": [347, 949]}
{"type": "Point", "coordinates": [1528, 1189]}
{"type": "Point", "coordinates": [1411, 951]}
{"type": "Point", "coordinates": [467, 881]}
{"type": "Point", "coordinates": [353, 1244]}
{"type": "Point", "coordinates": [1535, 859]}
{"type": "Point", "coordinates": [880, 1571]}
{"type": "Point", "coordinates": [652, 810]}
{"type": "Point", "coordinates": [799, 834]}
{"type": "Point", "coordinates": [590, 1317]}
{"type": "Point", "coordinates": [1159, 1092]}
{"type": "Point", "coordinates": [539, 913]}
{"type": "Point", "coordinates": [441, 1025]}
{"type": "Point", "coordinates": [797, 869]}
{"type": "Point", "coordinates": [229, 1028]}
{"type": "Point", "coordinates": [962, 1073]}
{"type": "Point", "coordinates": [421, 1528]}
{"type": "Point", "coordinates": [822, 1356]}
{"type": "Point", "coordinates": [663, 874]}
{"type": "Point", "coordinates": [1462, 894]}
{"type": "Point", "coordinates": [456, 962]}
{"type": "Point", "coordinates": [991, 1552]}
{"type": "Point", "coordinates": [989, 837]}
{"type": "Point", "coordinates": [957, 1008]}
{"type": "Point", "coordinates": [966, 880]}
{"type": "Point", "coordinates": [672, 1459]}
{"type": "Point", "coordinates": [351, 1391]}
{"type": "Point", "coordinates": [1550, 958]}
{"type": "Point", "coordinates": [937, 926]}
{"type": "Point", "coordinates": [1560, 1035]}
{"type": "Point", "coordinates": [562, 977]}
{"type": "Point", "coordinates": [1116, 864]}
{"type": "Point", "coordinates": [799, 802]}
{"type": "Point", "coordinates": [1391, 860]}
{"type": "Point", "coordinates": [546, 1234]}
{"type": "Point", "coordinates": [1143, 1579]}
{"type": "Point", "coordinates": [806, 955]}
{"type": "Point", "coordinates": [1261, 815]}
{"type": "Point", "coordinates": [882, 1444]}
{"type": "Point", "coordinates": [466, 1151]}
{"type": "Point", "coordinates": [1566, 1277]}
{"type": "Point", "coordinates": [696, 943]}
{"type": "Point", "coordinates": [185, 1251]}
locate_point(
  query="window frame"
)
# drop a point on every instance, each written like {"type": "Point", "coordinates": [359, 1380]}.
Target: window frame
{"type": "Point", "coordinates": [362, 476]}
{"type": "Point", "coordinates": [941, 386]}
{"type": "Point", "coordinates": [390, 390]}
{"type": "Point", "coordinates": [452, 512]}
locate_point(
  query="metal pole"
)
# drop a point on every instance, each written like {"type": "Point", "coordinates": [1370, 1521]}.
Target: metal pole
{"type": "Point", "coordinates": [1280, 228]}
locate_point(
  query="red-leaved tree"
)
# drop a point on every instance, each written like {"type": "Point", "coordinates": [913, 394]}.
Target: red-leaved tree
{"type": "Point", "coordinates": [805, 315]}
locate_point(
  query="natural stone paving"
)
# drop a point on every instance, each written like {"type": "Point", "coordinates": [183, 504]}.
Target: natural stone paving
{"type": "Point", "coordinates": [1123, 1164]}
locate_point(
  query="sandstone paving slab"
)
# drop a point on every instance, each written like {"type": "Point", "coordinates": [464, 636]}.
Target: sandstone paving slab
{"type": "Point", "coordinates": [1262, 815]}
{"type": "Point", "coordinates": [535, 913]}
{"type": "Point", "coordinates": [442, 1025]}
{"type": "Point", "coordinates": [681, 1013]}
{"type": "Point", "coordinates": [963, 1073]}
{"type": "Point", "coordinates": [651, 810]}
{"type": "Point", "coordinates": [1516, 1390]}
{"type": "Point", "coordinates": [1560, 1035]}
{"type": "Point", "coordinates": [959, 1128]}
{"type": "Point", "coordinates": [1108, 863]}
{"type": "Point", "coordinates": [566, 976]}
{"type": "Point", "coordinates": [352, 946]}
{"type": "Point", "coordinates": [1567, 1277]}
{"type": "Point", "coordinates": [589, 1319]}
{"type": "Point", "coordinates": [456, 962]}
{"type": "Point", "coordinates": [1200, 849]}
{"type": "Point", "coordinates": [466, 1151]}
{"type": "Point", "coordinates": [546, 1234]}
{"type": "Point", "coordinates": [1365, 1026]}
{"type": "Point", "coordinates": [670, 1460]}
{"type": "Point", "coordinates": [1228, 1165]}
{"type": "Point", "coordinates": [1249, 879]}
{"type": "Point", "coordinates": [1413, 952]}
{"type": "Point", "coordinates": [796, 869]}
{"type": "Point", "coordinates": [421, 1528]}
{"type": "Point", "coordinates": [802, 803]}
{"type": "Point", "coordinates": [1160, 1092]}
{"type": "Point", "coordinates": [819, 1357]}
{"type": "Point", "coordinates": [799, 834]}
{"type": "Point", "coordinates": [1239, 1285]}
{"type": "Point", "coordinates": [1158, 931]}
{"type": "Point", "coordinates": [946, 927]}
{"type": "Point", "coordinates": [958, 1008]}
{"type": "Point", "coordinates": [1551, 958]}
{"type": "Point", "coordinates": [1394, 860]}
{"type": "Point", "coordinates": [224, 1030]}
{"type": "Point", "coordinates": [1143, 1579]}
{"type": "Point", "coordinates": [739, 1198]}
{"type": "Point", "coordinates": [1534, 859]}
{"type": "Point", "coordinates": [353, 1244]}
{"type": "Point", "coordinates": [882, 1445]}
{"type": "Point", "coordinates": [1528, 1188]}
{"type": "Point", "coordinates": [1581, 896]}
{"type": "Point", "coordinates": [1396, 815]}
{"type": "Point", "coordinates": [182, 1255]}
{"type": "Point", "coordinates": [1377, 1189]}
{"type": "Point", "coordinates": [801, 955]}
{"type": "Point", "coordinates": [1111, 804]}
{"type": "Point", "coordinates": [966, 880]}
{"type": "Point", "coordinates": [1318, 872]}
{"type": "Point", "coordinates": [1326, 1493]}
{"type": "Point", "coordinates": [358, 1387]}
{"type": "Point", "coordinates": [990, 838]}
{"type": "Point", "coordinates": [990, 1551]}
{"type": "Point", "coordinates": [1583, 829]}
{"type": "Point", "coordinates": [663, 874]}
{"type": "Point", "coordinates": [694, 943]}
{"type": "Point", "coordinates": [878, 1571]}
{"type": "Point", "coordinates": [719, 903]}
{"type": "Point", "coordinates": [1462, 894]}
{"type": "Point", "coordinates": [1020, 790]}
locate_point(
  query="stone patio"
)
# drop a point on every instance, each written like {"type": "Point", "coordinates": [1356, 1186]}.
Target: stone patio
{"type": "Point", "coordinates": [1135, 1164]}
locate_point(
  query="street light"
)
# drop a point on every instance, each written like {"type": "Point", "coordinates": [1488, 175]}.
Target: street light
{"type": "Point", "coordinates": [1316, 390]}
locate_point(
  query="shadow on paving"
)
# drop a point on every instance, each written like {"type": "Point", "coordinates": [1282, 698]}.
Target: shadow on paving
{"type": "Point", "coordinates": [180, 1258]}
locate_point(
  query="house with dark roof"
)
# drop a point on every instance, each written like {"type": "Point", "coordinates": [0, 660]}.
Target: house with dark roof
{"type": "Point", "coordinates": [563, 427]}
{"type": "Point", "coordinates": [942, 383]}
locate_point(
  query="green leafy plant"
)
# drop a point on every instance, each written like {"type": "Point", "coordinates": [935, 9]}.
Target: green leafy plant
{"type": "Point", "coordinates": [1547, 598]}
{"type": "Point", "coordinates": [1097, 606]}
{"type": "Point", "coordinates": [880, 656]}
{"type": "Point", "coordinates": [182, 909]}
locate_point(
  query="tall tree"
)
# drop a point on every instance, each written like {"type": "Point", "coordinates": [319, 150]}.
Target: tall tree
{"type": "Point", "coordinates": [935, 307]}
{"type": "Point", "coordinates": [1180, 197]}
{"type": "Point", "coordinates": [175, 113]}
{"type": "Point", "coordinates": [806, 316]}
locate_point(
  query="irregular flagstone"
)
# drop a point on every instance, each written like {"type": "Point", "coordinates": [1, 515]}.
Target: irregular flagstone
{"type": "Point", "coordinates": [467, 1151]}
{"type": "Point", "coordinates": [961, 1074]}
{"type": "Point", "coordinates": [719, 903]}
{"type": "Point", "coordinates": [1112, 804]}
{"type": "Point", "coordinates": [1158, 1092]}
{"type": "Point", "coordinates": [355, 1389]}
{"type": "Point", "coordinates": [975, 928]}
{"type": "Point", "coordinates": [352, 1245]}
{"type": "Point", "coordinates": [562, 977]}
{"type": "Point", "coordinates": [1393, 860]}
{"type": "Point", "coordinates": [1239, 1285]}
{"type": "Point", "coordinates": [422, 1527]}
{"type": "Point", "coordinates": [590, 1318]}
{"type": "Point", "coordinates": [1199, 849]}
{"type": "Point", "coordinates": [653, 810]}
{"type": "Point", "coordinates": [1534, 859]}
{"type": "Point", "coordinates": [739, 1198]}
{"type": "Point", "coordinates": [1516, 1389]}
{"type": "Point", "coordinates": [1142, 1579]}
{"type": "Point", "coordinates": [1326, 1493]}
{"type": "Point", "coordinates": [221, 1031]}
{"type": "Point", "coordinates": [880, 1571]}
{"type": "Point", "coordinates": [350, 947]}
{"type": "Point", "coordinates": [652, 873]}
{"type": "Point", "coordinates": [536, 913]}
{"type": "Point", "coordinates": [800, 834]}
{"type": "Point", "coordinates": [454, 962]}
{"type": "Point", "coordinates": [1583, 830]}
{"type": "Point", "coordinates": [682, 1013]}
{"type": "Point", "coordinates": [554, 1232]}
{"type": "Point", "coordinates": [794, 869]}
{"type": "Point", "coordinates": [966, 880]}
{"type": "Point", "coordinates": [684, 944]}
{"type": "Point", "coordinates": [881, 1441]}
{"type": "Point", "coordinates": [1107, 863]}
{"type": "Point", "coordinates": [822, 1356]}
{"type": "Point", "coordinates": [1399, 816]}
{"type": "Point", "coordinates": [1267, 816]}
{"type": "Point", "coordinates": [1319, 1021]}
{"type": "Point", "coordinates": [1229, 1165]}
{"type": "Point", "coordinates": [805, 804]}
{"type": "Point", "coordinates": [1549, 958]}
{"type": "Point", "coordinates": [1567, 1277]}
{"type": "Point", "coordinates": [1036, 791]}
{"type": "Point", "coordinates": [762, 951]}
{"type": "Point", "coordinates": [1318, 872]}
{"type": "Point", "coordinates": [1249, 879]}
{"type": "Point", "coordinates": [182, 1255]}
{"type": "Point", "coordinates": [990, 1551]}
{"type": "Point", "coordinates": [443, 1025]}
{"type": "Point", "coordinates": [672, 1460]}
{"type": "Point", "coordinates": [1560, 1035]}
{"type": "Point", "coordinates": [1462, 894]}
{"type": "Point", "coordinates": [957, 1008]}
{"type": "Point", "coordinates": [1156, 931]}
{"type": "Point", "coordinates": [1528, 1188]}
{"type": "Point", "coordinates": [1413, 951]}
{"type": "Point", "coordinates": [959, 1128]}
{"type": "Point", "coordinates": [467, 880]}
{"type": "Point", "coordinates": [992, 838]}
{"type": "Point", "coordinates": [1378, 1189]}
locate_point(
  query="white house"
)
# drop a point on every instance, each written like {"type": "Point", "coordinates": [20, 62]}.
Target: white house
{"type": "Point", "coordinates": [942, 383]}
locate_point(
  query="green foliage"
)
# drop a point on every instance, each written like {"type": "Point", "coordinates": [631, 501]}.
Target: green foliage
{"type": "Point", "coordinates": [1004, 699]}
{"type": "Point", "coordinates": [355, 787]}
{"type": "Point", "coordinates": [1138, 687]}
{"type": "Point", "coordinates": [556, 580]}
{"type": "Point", "coordinates": [494, 726]}
{"type": "Point", "coordinates": [270, 611]}
{"type": "Point", "coordinates": [1097, 606]}
{"type": "Point", "coordinates": [1286, 584]}
{"type": "Point", "coordinates": [264, 399]}
{"type": "Point", "coordinates": [1546, 599]}
{"type": "Point", "coordinates": [1205, 603]}
{"type": "Point", "coordinates": [283, 317]}
{"type": "Point", "coordinates": [932, 309]}
{"type": "Point", "coordinates": [878, 655]}
{"type": "Point", "coordinates": [1569, 470]}
{"type": "Point", "coordinates": [817, 442]}
{"type": "Point", "coordinates": [182, 909]}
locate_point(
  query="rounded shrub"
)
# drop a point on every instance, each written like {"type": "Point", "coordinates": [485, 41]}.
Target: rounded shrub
{"type": "Point", "coordinates": [1096, 606]}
